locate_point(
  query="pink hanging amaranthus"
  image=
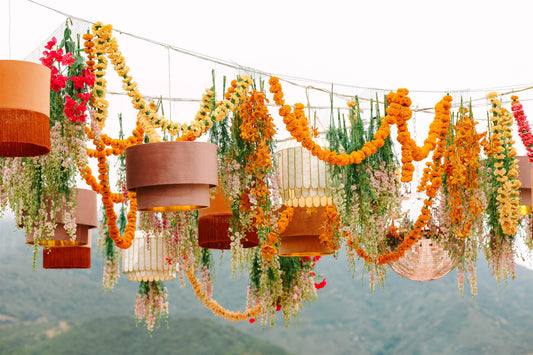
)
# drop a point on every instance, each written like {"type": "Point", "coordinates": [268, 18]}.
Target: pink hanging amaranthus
{"type": "Point", "coordinates": [523, 126]}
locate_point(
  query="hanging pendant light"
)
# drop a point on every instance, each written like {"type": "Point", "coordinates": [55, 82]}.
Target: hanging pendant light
{"type": "Point", "coordinates": [301, 237]}
{"type": "Point", "coordinates": [78, 257]}
{"type": "Point", "coordinates": [171, 176]}
{"type": "Point", "coordinates": [304, 185]}
{"type": "Point", "coordinates": [429, 259]}
{"type": "Point", "coordinates": [86, 219]}
{"type": "Point", "coordinates": [146, 259]}
{"type": "Point", "coordinates": [24, 109]}
{"type": "Point", "coordinates": [214, 222]}
{"type": "Point", "coordinates": [524, 175]}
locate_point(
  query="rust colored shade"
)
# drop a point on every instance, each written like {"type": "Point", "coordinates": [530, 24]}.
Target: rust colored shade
{"type": "Point", "coordinates": [78, 257]}
{"type": "Point", "coordinates": [86, 219]}
{"type": "Point", "coordinates": [428, 260]}
{"type": "Point", "coordinates": [24, 109]}
{"type": "Point", "coordinates": [301, 236]}
{"type": "Point", "coordinates": [524, 175]}
{"type": "Point", "coordinates": [214, 222]}
{"type": "Point", "coordinates": [171, 176]}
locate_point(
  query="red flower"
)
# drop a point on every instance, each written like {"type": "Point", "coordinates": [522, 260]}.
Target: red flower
{"type": "Point", "coordinates": [58, 82]}
{"type": "Point", "coordinates": [251, 320]}
{"type": "Point", "coordinates": [320, 285]}
{"type": "Point", "coordinates": [68, 60]}
{"type": "Point", "coordinates": [51, 43]}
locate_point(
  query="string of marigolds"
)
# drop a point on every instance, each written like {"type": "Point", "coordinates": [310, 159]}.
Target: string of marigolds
{"type": "Point", "coordinates": [461, 172]}
{"type": "Point", "coordinates": [431, 182]}
{"type": "Point", "coordinates": [150, 118]}
{"type": "Point", "coordinates": [298, 126]}
{"type": "Point", "coordinates": [330, 226]}
{"type": "Point", "coordinates": [268, 248]}
{"type": "Point", "coordinates": [502, 152]}
{"type": "Point", "coordinates": [216, 308]}
{"type": "Point", "coordinates": [398, 112]}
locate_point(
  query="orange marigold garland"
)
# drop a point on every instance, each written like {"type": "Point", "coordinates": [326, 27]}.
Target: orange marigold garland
{"type": "Point", "coordinates": [434, 182]}
{"type": "Point", "coordinates": [330, 227]}
{"type": "Point", "coordinates": [268, 248]}
{"type": "Point", "coordinates": [461, 173]}
{"type": "Point", "coordinates": [298, 126]}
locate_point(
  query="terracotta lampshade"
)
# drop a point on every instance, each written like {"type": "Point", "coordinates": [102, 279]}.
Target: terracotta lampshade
{"type": "Point", "coordinates": [304, 178]}
{"type": "Point", "coordinates": [78, 257]}
{"type": "Point", "coordinates": [524, 175]}
{"type": "Point", "coordinates": [171, 176]}
{"type": "Point", "coordinates": [24, 109]}
{"type": "Point", "coordinates": [86, 219]}
{"type": "Point", "coordinates": [147, 260]}
{"type": "Point", "coordinates": [214, 222]}
{"type": "Point", "coordinates": [301, 236]}
{"type": "Point", "coordinates": [304, 184]}
{"type": "Point", "coordinates": [428, 260]}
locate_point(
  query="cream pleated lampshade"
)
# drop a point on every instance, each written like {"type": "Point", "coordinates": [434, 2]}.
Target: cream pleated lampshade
{"type": "Point", "coordinates": [147, 261]}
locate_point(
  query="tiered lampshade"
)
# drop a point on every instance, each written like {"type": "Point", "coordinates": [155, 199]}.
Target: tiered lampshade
{"type": "Point", "coordinates": [304, 186]}
{"type": "Point", "coordinates": [214, 222]}
{"type": "Point", "coordinates": [24, 109]}
{"type": "Point", "coordinates": [171, 176]}
{"type": "Point", "coordinates": [524, 175]}
{"type": "Point", "coordinates": [147, 260]}
{"type": "Point", "coordinates": [86, 219]}
{"type": "Point", "coordinates": [428, 260]}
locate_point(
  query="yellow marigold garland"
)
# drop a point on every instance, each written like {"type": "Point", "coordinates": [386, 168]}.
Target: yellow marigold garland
{"type": "Point", "coordinates": [501, 149]}
{"type": "Point", "coordinates": [217, 309]}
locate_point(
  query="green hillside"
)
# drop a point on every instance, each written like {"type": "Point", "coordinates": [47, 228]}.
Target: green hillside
{"type": "Point", "coordinates": [404, 318]}
{"type": "Point", "coordinates": [119, 335]}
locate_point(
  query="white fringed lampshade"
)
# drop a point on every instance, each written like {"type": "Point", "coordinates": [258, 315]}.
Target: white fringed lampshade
{"type": "Point", "coordinates": [304, 178]}
{"type": "Point", "coordinates": [143, 263]}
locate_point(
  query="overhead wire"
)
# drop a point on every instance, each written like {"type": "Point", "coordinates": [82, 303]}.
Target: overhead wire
{"type": "Point", "coordinates": [290, 79]}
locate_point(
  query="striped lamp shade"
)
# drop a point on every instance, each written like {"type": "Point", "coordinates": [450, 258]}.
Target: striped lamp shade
{"type": "Point", "coordinates": [146, 260]}
{"type": "Point", "coordinates": [304, 178]}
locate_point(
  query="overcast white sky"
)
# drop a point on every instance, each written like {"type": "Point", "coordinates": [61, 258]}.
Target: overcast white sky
{"type": "Point", "coordinates": [461, 47]}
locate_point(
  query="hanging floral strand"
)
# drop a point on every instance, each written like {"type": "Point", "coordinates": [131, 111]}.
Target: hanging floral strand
{"type": "Point", "coordinates": [524, 130]}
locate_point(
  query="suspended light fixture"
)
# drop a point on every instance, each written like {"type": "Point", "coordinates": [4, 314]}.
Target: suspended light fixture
{"type": "Point", "coordinates": [86, 219]}
{"type": "Point", "coordinates": [24, 109]}
{"type": "Point", "coordinates": [171, 176]}
{"type": "Point", "coordinates": [78, 257]}
{"type": "Point", "coordinates": [214, 222]}
{"type": "Point", "coordinates": [146, 259]}
{"type": "Point", "coordinates": [304, 185]}
{"type": "Point", "coordinates": [429, 259]}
